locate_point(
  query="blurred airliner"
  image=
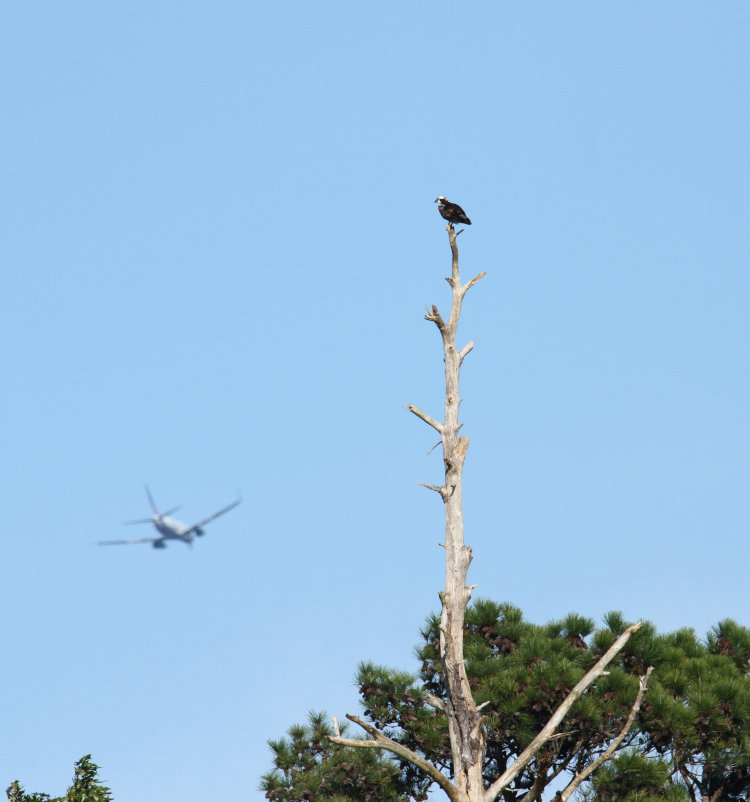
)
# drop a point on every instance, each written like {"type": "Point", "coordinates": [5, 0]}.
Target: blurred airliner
{"type": "Point", "coordinates": [169, 528]}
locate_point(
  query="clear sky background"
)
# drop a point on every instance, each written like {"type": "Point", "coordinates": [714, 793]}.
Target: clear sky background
{"type": "Point", "coordinates": [219, 237]}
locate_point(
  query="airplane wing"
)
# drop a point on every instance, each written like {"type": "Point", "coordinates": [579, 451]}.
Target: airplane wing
{"type": "Point", "coordinates": [123, 542]}
{"type": "Point", "coordinates": [212, 517]}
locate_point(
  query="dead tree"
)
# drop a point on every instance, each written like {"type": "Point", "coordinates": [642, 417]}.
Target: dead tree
{"type": "Point", "coordinates": [465, 724]}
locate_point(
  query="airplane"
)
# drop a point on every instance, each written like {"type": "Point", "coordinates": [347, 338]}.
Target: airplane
{"type": "Point", "coordinates": [169, 528]}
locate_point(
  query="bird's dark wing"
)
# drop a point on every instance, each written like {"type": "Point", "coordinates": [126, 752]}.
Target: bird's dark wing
{"type": "Point", "coordinates": [459, 214]}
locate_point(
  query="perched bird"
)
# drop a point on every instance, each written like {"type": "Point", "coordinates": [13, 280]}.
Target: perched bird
{"type": "Point", "coordinates": [452, 212]}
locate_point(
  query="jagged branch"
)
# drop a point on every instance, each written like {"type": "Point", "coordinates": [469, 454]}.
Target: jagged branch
{"type": "Point", "coordinates": [469, 284]}
{"type": "Point", "coordinates": [435, 701]}
{"type": "Point", "coordinates": [437, 488]}
{"type": "Point", "coordinates": [535, 792]}
{"type": "Point", "coordinates": [543, 779]}
{"type": "Point", "coordinates": [380, 741]}
{"type": "Point", "coordinates": [464, 351]}
{"type": "Point", "coordinates": [455, 281]}
{"type": "Point", "coordinates": [425, 417]}
{"type": "Point", "coordinates": [548, 730]}
{"type": "Point", "coordinates": [434, 316]}
{"type": "Point", "coordinates": [692, 783]}
{"type": "Point", "coordinates": [615, 745]}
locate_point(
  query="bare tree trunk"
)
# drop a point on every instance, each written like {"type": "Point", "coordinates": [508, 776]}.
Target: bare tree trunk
{"type": "Point", "coordinates": [465, 723]}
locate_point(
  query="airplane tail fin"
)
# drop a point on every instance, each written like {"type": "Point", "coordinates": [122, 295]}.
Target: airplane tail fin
{"type": "Point", "coordinates": [151, 502]}
{"type": "Point", "coordinates": [156, 513]}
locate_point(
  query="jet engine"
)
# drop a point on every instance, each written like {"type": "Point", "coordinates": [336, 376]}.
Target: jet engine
{"type": "Point", "coordinates": [199, 532]}
{"type": "Point", "coordinates": [160, 544]}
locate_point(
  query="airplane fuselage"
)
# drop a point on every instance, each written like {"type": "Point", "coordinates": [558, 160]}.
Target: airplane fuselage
{"type": "Point", "coordinates": [170, 528]}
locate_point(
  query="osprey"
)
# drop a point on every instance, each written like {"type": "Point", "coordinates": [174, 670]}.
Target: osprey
{"type": "Point", "coordinates": [452, 212]}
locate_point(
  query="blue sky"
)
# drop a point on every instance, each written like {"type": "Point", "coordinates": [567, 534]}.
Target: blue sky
{"type": "Point", "coordinates": [219, 239]}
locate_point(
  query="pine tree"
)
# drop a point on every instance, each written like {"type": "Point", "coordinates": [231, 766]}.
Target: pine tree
{"type": "Point", "coordinates": [15, 793]}
{"type": "Point", "coordinates": [688, 742]}
{"type": "Point", "coordinates": [86, 787]}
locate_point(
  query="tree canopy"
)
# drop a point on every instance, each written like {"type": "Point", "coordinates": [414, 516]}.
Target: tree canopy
{"type": "Point", "coordinates": [690, 738]}
{"type": "Point", "coordinates": [86, 787]}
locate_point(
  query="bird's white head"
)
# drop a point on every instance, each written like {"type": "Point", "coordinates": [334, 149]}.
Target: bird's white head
{"type": "Point", "coordinates": [440, 199]}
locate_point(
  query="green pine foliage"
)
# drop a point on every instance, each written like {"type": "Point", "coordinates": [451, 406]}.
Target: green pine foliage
{"type": "Point", "coordinates": [396, 703]}
{"type": "Point", "coordinates": [690, 741]}
{"type": "Point", "coordinates": [86, 787]}
{"type": "Point", "coordinates": [15, 793]}
{"type": "Point", "coordinates": [307, 766]}
{"type": "Point", "coordinates": [634, 777]}
{"type": "Point", "coordinates": [697, 714]}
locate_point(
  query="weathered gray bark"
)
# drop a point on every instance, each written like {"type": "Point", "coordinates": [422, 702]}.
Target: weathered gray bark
{"type": "Point", "coordinates": [464, 720]}
{"type": "Point", "coordinates": [465, 723]}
